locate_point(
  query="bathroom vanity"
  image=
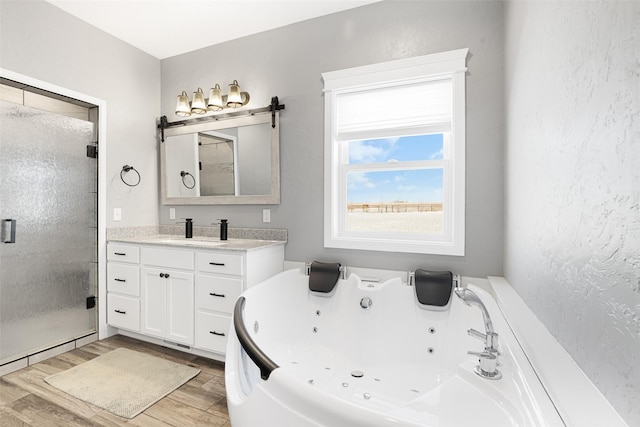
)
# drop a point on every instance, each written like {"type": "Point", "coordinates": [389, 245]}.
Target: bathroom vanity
{"type": "Point", "coordinates": [180, 292]}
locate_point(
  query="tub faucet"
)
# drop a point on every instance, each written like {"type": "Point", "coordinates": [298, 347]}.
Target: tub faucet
{"type": "Point", "coordinates": [488, 358]}
{"type": "Point", "coordinates": [490, 338]}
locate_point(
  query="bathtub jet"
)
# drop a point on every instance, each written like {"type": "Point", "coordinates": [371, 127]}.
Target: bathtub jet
{"type": "Point", "coordinates": [325, 360]}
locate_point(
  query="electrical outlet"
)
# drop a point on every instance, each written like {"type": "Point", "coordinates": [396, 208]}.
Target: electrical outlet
{"type": "Point", "coordinates": [117, 214]}
{"type": "Point", "coordinates": [172, 213]}
{"type": "Point", "coordinates": [266, 215]}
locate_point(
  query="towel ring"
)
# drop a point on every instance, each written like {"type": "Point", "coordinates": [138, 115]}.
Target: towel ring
{"type": "Point", "coordinates": [126, 169]}
{"type": "Point", "coordinates": [183, 174]}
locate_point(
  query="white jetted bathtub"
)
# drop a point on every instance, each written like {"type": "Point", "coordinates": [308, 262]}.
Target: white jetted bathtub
{"type": "Point", "coordinates": [369, 355]}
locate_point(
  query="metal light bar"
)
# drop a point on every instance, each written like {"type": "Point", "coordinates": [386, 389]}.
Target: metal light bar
{"type": "Point", "coordinates": [275, 106]}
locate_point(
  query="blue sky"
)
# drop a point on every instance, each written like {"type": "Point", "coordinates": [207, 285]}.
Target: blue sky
{"type": "Point", "coordinates": [423, 185]}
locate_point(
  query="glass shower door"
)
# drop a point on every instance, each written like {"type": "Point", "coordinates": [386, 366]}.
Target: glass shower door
{"type": "Point", "coordinates": [48, 185]}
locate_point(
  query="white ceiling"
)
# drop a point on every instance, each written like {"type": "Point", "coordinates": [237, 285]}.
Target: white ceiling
{"type": "Point", "coordinates": [165, 28]}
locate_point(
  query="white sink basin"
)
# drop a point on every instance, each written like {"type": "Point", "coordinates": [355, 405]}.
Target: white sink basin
{"type": "Point", "coordinates": [192, 242]}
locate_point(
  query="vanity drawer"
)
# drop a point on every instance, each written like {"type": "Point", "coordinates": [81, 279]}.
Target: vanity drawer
{"type": "Point", "coordinates": [217, 293]}
{"type": "Point", "coordinates": [219, 262]}
{"type": "Point", "coordinates": [123, 253]}
{"type": "Point", "coordinates": [212, 331]}
{"type": "Point", "coordinates": [123, 279]}
{"type": "Point", "coordinates": [167, 258]}
{"type": "Point", "coordinates": [123, 312]}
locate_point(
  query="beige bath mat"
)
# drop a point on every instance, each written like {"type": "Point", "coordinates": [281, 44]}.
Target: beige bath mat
{"type": "Point", "coordinates": [123, 381]}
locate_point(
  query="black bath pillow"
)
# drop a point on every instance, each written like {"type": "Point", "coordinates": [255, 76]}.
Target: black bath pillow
{"type": "Point", "coordinates": [433, 287]}
{"type": "Point", "coordinates": [323, 276]}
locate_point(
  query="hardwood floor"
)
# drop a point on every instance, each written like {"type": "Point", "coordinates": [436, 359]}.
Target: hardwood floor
{"type": "Point", "coordinates": [27, 400]}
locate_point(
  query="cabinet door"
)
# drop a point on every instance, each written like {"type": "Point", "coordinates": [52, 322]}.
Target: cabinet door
{"type": "Point", "coordinates": [153, 302]}
{"type": "Point", "coordinates": [180, 307]}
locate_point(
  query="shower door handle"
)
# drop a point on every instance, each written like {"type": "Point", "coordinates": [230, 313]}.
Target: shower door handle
{"type": "Point", "coordinates": [9, 230]}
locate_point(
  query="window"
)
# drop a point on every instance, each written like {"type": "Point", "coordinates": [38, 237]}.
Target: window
{"type": "Point", "coordinates": [395, 155]}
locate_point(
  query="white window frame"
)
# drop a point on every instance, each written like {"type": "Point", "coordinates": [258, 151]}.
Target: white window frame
{"type": "Point", "coordinates": [446, 65]}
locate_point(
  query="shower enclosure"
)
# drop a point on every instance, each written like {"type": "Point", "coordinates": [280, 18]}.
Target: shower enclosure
{"type": "Point", "coordinates": [48, 212]}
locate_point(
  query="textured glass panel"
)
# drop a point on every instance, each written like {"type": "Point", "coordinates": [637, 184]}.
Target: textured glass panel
{"type": "Point", "coordinates": [47, 184]}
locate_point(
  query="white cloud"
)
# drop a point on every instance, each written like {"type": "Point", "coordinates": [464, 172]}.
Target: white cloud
{"type": "Point", "coordinates": [438, 154]}
{"type": "Point", "coordinates": [359, 180]}
{"type": "Point", "coordinates": [368, 151]}
{"type": "Point", "coordinates": [361, 152]}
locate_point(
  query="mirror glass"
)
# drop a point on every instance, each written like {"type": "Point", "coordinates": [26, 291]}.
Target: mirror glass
{"type": "Point", "coordinates": [227, 161]}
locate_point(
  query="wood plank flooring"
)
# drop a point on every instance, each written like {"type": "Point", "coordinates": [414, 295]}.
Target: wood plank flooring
{"type": "Point", "coordinates": [27, 400]}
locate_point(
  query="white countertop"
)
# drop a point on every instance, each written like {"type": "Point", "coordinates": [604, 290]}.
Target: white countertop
{"type": "Point", "coordinates": [199, 242]}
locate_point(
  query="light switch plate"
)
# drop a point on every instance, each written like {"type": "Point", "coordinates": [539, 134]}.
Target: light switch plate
{"type": "Point", "coordinates": [117, 214]}
{"type": "Point", "coordinates": [172, 213]}
{"type": "Point", "coordinates": [266, 215]}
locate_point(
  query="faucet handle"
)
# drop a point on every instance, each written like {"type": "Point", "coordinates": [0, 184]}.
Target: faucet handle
{"type": "Point", "coordinates": [483, 354]}
{"type": "Point", "coordinates": [476, 334]}
{"type": "Point", "coordinates": [490, 339]}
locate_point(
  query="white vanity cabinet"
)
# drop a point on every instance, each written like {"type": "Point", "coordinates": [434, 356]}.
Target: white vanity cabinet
{"type": "Point", "coordinates": [123, 286]}
{"type": "Point", "coordinates": [219, 283]}
{"type": "Point", "coordinates": [220, 279]}
{"type": "Point", "coordinates": [184, 296]}
{"type": "Point", "coordinates": [167, 293]}
{"type": "Point", "coordinates": [167, 304]}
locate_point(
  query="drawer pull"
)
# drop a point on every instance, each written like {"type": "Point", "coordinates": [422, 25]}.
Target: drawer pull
{"type": "Point", "coordinates": [120, 311]}
{"type": "Point", "coordinates": [220, 334]}
{"type": "Point", "coordinates": [120, 253]}
{"type": "Point", "coordinates": [219, 264]}
{"type": "Point", "coordinates": [119, 280]}
{"type": "Point", "coordinates": [213, 294]}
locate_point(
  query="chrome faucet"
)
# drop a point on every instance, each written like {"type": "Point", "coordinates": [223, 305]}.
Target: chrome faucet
{"type": "Point", "coordinates": [489, 357]}
{"type": "Point", "coordinates": [471, 298]}
{"type": "Point", "coordinates": [490, 338]}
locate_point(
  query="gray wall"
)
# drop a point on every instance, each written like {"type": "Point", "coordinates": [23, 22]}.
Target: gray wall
{"type": "Point", "coordinates": [288, 62]}
{"type": "Point", "coordinates": [43, 42]}
{"type": "Point", "coordinates": [572, 246]}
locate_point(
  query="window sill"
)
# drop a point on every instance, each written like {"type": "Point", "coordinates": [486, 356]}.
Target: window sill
{"type": "Point", "coordinates": [403, 246]}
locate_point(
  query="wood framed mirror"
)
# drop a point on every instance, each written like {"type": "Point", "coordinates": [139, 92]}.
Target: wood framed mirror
{"type": "Point", "coordinates": [222, 162]}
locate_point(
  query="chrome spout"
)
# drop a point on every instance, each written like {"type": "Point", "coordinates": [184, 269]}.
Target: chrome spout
{"type": "Point", "coordinates": [471, 299]}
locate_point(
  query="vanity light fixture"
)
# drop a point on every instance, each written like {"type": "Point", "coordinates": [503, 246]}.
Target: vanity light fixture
{"type": "Point", "coordinates": [198, 106]}
{"type": "Point", "coordinates": [216, 102]}
{"type": "Point", "coordinates": [184, 109]}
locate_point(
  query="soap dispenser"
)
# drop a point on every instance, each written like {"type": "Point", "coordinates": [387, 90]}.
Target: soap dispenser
{"type": "Point", "coordinates": [223, 229]}
{"type": "Point", "coordinates": [188, 228]}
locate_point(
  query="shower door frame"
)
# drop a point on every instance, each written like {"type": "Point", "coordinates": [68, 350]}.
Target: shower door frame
{"type": "Point", "coordinates": [101, 326]}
